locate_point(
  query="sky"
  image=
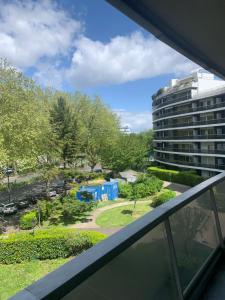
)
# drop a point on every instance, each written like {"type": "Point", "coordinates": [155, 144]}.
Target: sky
{"type": "Point", "coordinates": [89, 46]}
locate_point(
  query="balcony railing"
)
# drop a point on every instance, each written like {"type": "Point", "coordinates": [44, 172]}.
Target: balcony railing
{"type": "Point", "coordinates": [188, 110]}
{"type": "Point", "coordinates": [193, 164]}
{"type": "Point", "coordinates": [191, 123]}
{"type": "Point", "coordinates": [169, 254]}
{"type": "Point", "coordinates": [191, 137]}
{"type": "Point", "coordinates": [203, 151]}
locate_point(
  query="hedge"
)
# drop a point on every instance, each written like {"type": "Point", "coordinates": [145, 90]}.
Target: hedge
{"type": "Point", "coordinates": [187, 178]}
{"type": "Point", "coordinates": [165, 196]}
{"type": "Point", "coordinates": [46, 244]}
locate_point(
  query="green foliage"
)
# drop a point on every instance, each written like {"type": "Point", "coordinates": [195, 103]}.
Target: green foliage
{"type": "Point", "coordinates": [187, 178]}
{"type": "Point", "coordinates": [65, 125]}
{"type": "Point", "coordinates": [139, 191]}
{"type": "Point", "coordinates": [28, 220]}
{"type": "Point", "coordinates": [129, 151]}
{"type": "Point", "coordinates": [73, 191]}
{"type": "Point", "coordinates": [165, 196]}
{"type": "Point", "coordinates": [45, 244]}
{"type": "Point", "coordinates": [144, 186]}
{"type": "Point", "coordinates": [45, 209]}
{"type": "Point", "coordinates": [74, 210]}
{"type": "Point", "coordinates": [100, 128]}
{"type": "Point", "coordinates": [125, 190]}
{"type": "Point", "coordinates": [21, 101]}
{"type": "Point", "coordinates": [67, 210]}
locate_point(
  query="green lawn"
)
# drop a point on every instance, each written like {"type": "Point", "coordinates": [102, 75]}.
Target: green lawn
{"type": "Point", "coordinates": [15, 277]}
{"type": "Point", "coordinates": [123, 215]}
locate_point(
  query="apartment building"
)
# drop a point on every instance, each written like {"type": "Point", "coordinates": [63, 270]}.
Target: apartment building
{"type": "Point", "coordinates": [189, 123]}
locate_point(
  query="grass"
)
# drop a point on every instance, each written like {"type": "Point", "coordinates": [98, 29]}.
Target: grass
{"type": "Point", "coordinates": [123, 215]}
{"type": "Point", "coordinates": [15, 277]}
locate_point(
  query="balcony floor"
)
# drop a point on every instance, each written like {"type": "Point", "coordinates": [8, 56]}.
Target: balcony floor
{"type": "Point", "coordinates": [216, 286]}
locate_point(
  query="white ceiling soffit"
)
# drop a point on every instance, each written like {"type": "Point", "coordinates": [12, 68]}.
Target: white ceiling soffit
{"type": "Point", "coordinates": [194, 28]}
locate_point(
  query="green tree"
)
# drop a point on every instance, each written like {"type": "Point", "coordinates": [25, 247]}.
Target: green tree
{"type": "Point", "coordinates": [130, 151]}
{"type": "Point", "coordinates": [100, 128]}
{"type": "Point", "coordinates": [65, 126]}
{"type": "Point", "coordinates": [48, 175]}
{"type": "Point", "coordinates": [25, 129]}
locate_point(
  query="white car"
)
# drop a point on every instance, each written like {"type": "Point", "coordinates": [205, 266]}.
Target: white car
{"type": "Point", "coordinates": [9, 209]}
{"type": "Point", "coordinates": [52, 194]}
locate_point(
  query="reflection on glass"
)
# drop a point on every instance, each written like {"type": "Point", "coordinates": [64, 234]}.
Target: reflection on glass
{"type": "Point", "coordinates": [141, 272]}
{"type": "Point", "coordinates": [219, 192]}
{"type": "Point", "coordinates": [195, 236]}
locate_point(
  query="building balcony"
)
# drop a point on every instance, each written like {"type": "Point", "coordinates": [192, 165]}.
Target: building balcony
{"type": "Point", "coordinates": [191, 137]}
{"type": "Point", "coordinates": [198, 151]}
{"type": "Point", "coordinates": [198, 109]}
{"type": "Point", "coordinates": [169, 254]}
{"type": "Point", "coordinates": [192, 164]}
{"type": "Point", "coordinates": [191, 123]}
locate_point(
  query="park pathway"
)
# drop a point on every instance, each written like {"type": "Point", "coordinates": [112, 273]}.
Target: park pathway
{"type": "Point", "coordinates": [91, 224]}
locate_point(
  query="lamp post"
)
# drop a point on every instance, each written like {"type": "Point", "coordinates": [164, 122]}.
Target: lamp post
{"type": "Point", "coordinates": [8, 172]}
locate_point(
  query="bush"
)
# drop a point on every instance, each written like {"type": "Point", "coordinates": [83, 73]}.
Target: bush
{"type": "Point", "coordinates": [125, 190]}
{"type": "Point", "coordinates": [73, 192]}
{"type": "Point", "coordinates": [74, 210]}
{"type": "Point", "coordinates": [187, 178]}
{"type": "Point", "coordinates": [165, 196]}
{"type": "Point", "coordinates": [139, 191]}
{"type": "Point", "coordinates": [45, 207]}
{"type": "Point", "coordinates": [28, 220]}
{"type": "Point", "coordinates": [67, 210]}
{"type": "Point", "coordinates": [144, 186]}
{"type": "Point", "coordinates": [45, 244]}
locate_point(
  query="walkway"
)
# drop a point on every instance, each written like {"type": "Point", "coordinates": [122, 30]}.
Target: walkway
{"type": "Point", "coordinates": [91, 225]}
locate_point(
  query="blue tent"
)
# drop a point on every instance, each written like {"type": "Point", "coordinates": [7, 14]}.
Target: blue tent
{"type": "Point", "coordinates": [107, 191]}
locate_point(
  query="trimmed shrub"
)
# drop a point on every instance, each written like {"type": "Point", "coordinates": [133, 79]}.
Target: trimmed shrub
{"type": "Point", "coordinates": [28, 220]}
{"type": "Point", "coordinates": [144, 186]}
{"type": "Point", "coordinates": [165, 196]}
{"type": "Point", "coordinates": [125, 190]}
{"type": "Point", "coordinates": [187, 178]}
{"type": "Point", "coordinates": [139, 191]}
{"type": "Point", "coordinates": [45, 244]}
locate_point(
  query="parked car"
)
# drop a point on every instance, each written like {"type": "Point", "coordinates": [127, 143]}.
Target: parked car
{"type": "Point", "coordinates": [9, 209]}
{"type": "Point", "coordinates": [22, 204]}
{"type": "Point", "coordinates": [98, 171]}
{"type": "Point", "coordinates": [52, 193]}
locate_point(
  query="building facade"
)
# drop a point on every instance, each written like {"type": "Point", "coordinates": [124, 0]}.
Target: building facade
{"type": "Point", "coordinates": [189, 124]}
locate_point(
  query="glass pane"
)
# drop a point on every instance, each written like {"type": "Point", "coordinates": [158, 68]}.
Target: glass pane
{"type": "Point", "coordinates": [219, 192]}
{"type": "Point", "coordinates": [141, 272]}
{"type": "Point", "coordinates": [195, 236]}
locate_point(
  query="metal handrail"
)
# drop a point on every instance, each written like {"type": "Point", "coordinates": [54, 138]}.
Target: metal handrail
{"type": "Point", "coordinates": [191, 137]}
{"type": "Point", "coordinates": [192, 123]}
{"type": "Point", "coordinates": [193, 164]}
{"type": "Point", "coordinates": [168, 149]}
{"type": "Point", "coordinates": [65, 279]}
{"type": "Point", "coordinates": [212, 92]}
{"type": "Point", "coordinates": [188, 110]}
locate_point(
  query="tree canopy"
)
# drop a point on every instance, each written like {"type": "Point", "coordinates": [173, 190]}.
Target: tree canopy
{"type": "Point", "coordinates": [44, 127]}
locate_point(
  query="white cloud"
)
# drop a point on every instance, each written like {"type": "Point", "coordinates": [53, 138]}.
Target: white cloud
{"type": "Point", "coordinates": [137, 122]}
{"type": "Point", "coordinates": [42, 35]}
{"type": "Point", "coordinates": [123, 59]}
{"type": "Point", "coordinates": [31, 31]}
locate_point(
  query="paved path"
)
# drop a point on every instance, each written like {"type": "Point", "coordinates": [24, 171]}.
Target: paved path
{"type": "Point", "coordinates": [91, 225]}
{"type": "Point", "coordinates": [178, 188]}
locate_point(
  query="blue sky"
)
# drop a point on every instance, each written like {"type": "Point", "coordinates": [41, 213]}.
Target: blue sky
{"type": "Point", "coordinates": [88, 45]}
